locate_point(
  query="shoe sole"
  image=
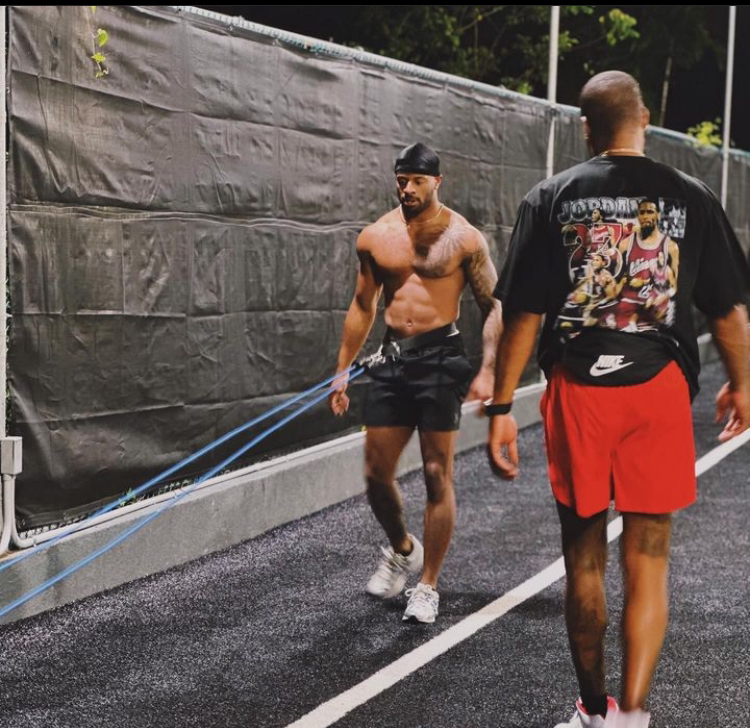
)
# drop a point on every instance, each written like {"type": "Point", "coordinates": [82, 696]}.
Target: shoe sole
{"type": "Point", "coordinates": [411, 619]}
{"type": "Point", "coordinates": [388, 594]}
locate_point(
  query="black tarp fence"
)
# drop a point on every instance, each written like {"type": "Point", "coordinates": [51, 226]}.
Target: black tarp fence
{"type": "Point", "coordinates": [182, 222]}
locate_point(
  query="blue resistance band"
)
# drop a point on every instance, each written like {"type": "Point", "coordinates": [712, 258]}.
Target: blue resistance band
{"type": "Point", "coordinates": [352, 374]}
{"type": "Point", "coordinates": [172, 470]}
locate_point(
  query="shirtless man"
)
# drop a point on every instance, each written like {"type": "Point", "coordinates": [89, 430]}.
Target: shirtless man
{"type": "Point", "coordinates": [422, 255]}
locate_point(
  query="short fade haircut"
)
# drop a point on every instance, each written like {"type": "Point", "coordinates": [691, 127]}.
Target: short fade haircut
{"type": "Point", "coordinates": [610, 101]}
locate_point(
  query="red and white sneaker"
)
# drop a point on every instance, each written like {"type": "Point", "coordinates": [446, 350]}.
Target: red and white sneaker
{"type": "Point", "coordinates": [630, 719]}
{"type": "Point", "coordinates": [581, 719]}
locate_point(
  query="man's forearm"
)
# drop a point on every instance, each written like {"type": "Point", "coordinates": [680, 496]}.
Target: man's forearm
{"type": "Point", "coordinates": [732, 339]}
{"type": "Point", "coordinates": [356, 329]}
{"type": "Point", "coordinates": [491, 331]}
{"type": "Point", "coordinates": [514, 349]}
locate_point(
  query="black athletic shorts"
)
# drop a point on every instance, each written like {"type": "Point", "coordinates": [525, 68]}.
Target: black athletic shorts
{"type": "Point", "coordinates": [422, 388]}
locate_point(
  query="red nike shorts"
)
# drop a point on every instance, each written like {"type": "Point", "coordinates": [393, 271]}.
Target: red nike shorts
{"type": "Point", "coordinates": [632, 444]}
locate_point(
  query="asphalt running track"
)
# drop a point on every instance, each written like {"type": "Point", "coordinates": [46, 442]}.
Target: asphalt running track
{"type": "Point", "coordinates": [279, 632]}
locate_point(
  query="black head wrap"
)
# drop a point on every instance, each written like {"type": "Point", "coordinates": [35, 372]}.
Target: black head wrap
{"type": "Point", "coordinates": [417, 159]}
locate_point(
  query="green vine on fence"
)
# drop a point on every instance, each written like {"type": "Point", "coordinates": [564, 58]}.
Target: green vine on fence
{"type": "Point", "coordinates": [101, 37]}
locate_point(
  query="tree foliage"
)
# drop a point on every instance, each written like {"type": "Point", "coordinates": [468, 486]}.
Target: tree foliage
{"type": "Point", "coordinates": [707, 133]}
{"type": "Point", "coordinates": [508, 44]}
{"type": "Point", "coordinates": [498, 44]}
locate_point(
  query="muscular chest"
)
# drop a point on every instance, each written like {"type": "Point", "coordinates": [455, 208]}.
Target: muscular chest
{"type": "Point", "coordinates": [435, 255]}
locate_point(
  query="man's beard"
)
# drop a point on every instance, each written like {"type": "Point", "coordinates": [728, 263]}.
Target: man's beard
{"type": "Point", "coordinates": [411, 211]}
{"type": "Point", "coordinates": [647, 230]}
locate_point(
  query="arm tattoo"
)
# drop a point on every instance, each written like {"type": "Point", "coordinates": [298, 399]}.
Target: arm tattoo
{"type": "Point", "coordinates": [482, 278]}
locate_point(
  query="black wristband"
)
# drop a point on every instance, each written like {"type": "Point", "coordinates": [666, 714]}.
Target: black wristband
{"type": "Point", "coordinates": [497, 409]}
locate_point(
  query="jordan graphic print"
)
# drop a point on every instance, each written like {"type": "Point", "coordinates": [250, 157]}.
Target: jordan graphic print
{"type": "Point", "coordinates": [623, 261]}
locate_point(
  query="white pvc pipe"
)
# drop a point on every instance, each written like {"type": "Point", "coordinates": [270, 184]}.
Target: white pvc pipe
{"type": "Point", "coordinates": [30, 541]}
{"type": "Point", "coordinates": [3, 231]}
{"type": "Point", "coordinates": [5, 520]}
{"type": "Point", "coordinates": [554, 45]}
{"type": "Point", "coordinates": [728, 105]}
{"type": "Point", "coordinates": [8, 521]}
{"type": "Point", "coordinates": [554, 36]}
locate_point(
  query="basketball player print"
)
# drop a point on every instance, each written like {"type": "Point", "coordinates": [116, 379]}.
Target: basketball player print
{"type": "Point", "coordinates": [623, 261]}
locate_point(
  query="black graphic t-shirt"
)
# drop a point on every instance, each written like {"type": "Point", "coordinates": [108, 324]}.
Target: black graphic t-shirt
{"type": "Point", "coordinates": [614, 251]}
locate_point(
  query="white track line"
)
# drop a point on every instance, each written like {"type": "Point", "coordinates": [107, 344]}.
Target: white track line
{"type": "Point", "coordinates": [336, 708]}
{"type": "Point", "coordinates": [719, 453]}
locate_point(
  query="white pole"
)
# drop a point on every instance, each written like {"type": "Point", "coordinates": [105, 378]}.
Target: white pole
{"type": "Point", "coordinates": [728, 105]}
{"type": "Point", "coordinates": [554, 34]}
{"type": "Point", "coordinates": [3, 232]}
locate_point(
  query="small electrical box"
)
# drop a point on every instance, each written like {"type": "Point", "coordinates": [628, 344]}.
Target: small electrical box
{"type": "Point", "coordinates": [11, 456]}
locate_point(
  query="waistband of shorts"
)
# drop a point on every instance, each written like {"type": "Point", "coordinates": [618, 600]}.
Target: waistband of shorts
{"type": "Point", "coordinates": [395, 347]}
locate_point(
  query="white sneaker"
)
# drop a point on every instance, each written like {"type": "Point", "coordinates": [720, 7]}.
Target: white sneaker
{"type": "Point", "coordinates": [423, 604]}
{"type": "Point", "coordinates": [630, 719]}
{"type": "Point", "coordinates": [581, 719]}
{"type": "Point", "coordinates": [390, 577]}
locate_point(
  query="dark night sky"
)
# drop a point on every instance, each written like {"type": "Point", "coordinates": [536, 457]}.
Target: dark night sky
{"type": "Point", "coordinates": [695, 96]}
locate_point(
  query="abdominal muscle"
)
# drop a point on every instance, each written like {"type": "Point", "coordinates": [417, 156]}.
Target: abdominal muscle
{"type": "Point", "coordinates": [420, 304]}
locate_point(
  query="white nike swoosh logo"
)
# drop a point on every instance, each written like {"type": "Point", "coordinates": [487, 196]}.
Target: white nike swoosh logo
{"type": "Point", "coordinates": [595, 371]}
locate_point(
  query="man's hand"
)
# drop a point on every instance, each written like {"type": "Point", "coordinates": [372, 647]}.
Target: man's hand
{"type": "Point", "coordinates": [338, 400]}
{"type": "Point", "coordinates": [481, 387]}
{"type": "Point", "coordinates": [734, 404]}
{"type": "Point", "coordinates": [730, 334]}
{"type": "Point", "coordinates": [503, 446]}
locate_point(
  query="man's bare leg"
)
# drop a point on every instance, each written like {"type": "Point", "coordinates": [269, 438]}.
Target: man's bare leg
{"type": "Point", "coordinates": [645, 560]}
{"type": "Point", "coordinates": [383, 447]}
{"type": "Point", "coordinates": [440, 513]}
{"type": "Point", "coordinates": [584, 542]}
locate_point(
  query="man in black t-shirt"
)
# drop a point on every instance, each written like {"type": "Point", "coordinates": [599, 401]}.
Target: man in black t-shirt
{"type": "Point", "coordinates": [621, 359]}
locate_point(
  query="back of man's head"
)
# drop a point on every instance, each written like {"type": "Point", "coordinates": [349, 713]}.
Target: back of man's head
{"type": "Point", "coordinates": [611, 102]}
